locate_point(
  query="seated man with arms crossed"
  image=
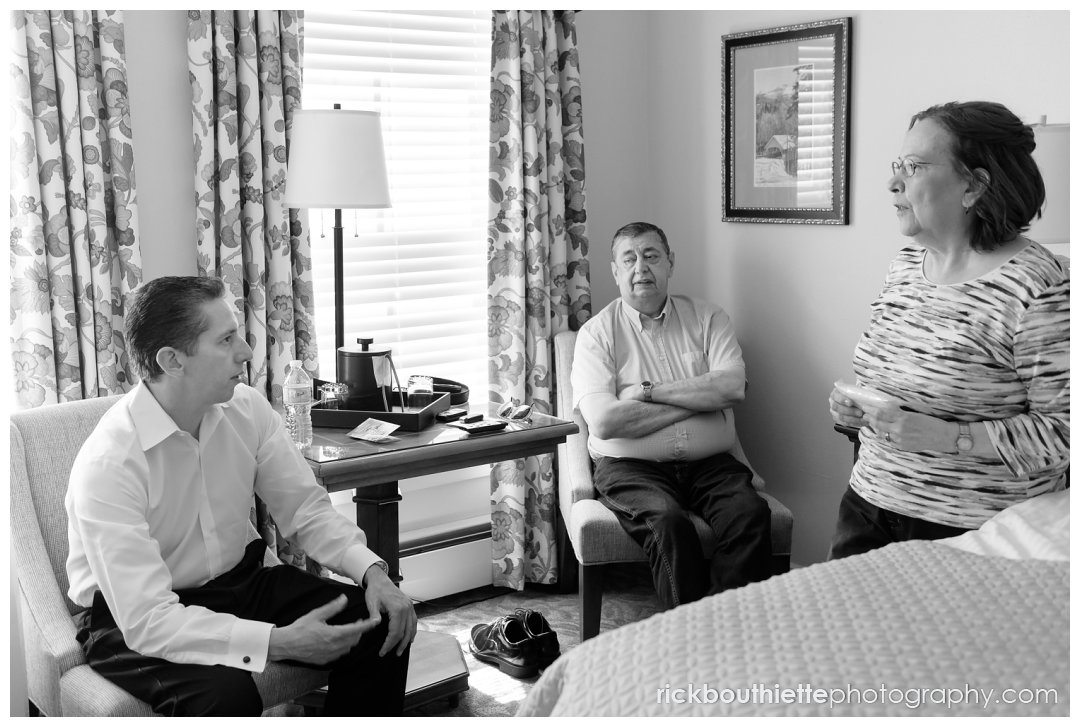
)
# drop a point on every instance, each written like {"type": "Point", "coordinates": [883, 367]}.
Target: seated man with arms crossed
{"type": "Point", "coordinates": [180, 609]}
{"type": "Point", "coordinates": [654, 376]}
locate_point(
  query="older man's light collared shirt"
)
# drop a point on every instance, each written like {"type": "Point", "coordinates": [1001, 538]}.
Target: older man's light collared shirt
{"type": "Point", "coordinates": [152, 509]}
{"type": "Point", "coordinates": [619, 347]}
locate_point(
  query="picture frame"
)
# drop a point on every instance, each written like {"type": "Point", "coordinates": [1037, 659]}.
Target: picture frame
{"type": "Point", "coordinates": [786, 123]}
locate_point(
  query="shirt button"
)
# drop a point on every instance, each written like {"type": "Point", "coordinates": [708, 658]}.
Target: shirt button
{"type": "Point", "coordinates": [247, 659]}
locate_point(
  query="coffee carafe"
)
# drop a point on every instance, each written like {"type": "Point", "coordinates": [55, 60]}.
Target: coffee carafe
{"type": "Point", "coordinates": [367, 374]}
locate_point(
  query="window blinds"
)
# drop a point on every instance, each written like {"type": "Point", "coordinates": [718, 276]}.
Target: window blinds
{"type": "Point", "coordinates": [415, 274]}
{"type": "Point", "coordinates": [816, 108]}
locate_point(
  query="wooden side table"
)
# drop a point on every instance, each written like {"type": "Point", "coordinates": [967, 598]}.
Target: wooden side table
{"type": "Point", "coordinates": [437, 667]}
{"type": "Point", "coordinates": [372, 471]}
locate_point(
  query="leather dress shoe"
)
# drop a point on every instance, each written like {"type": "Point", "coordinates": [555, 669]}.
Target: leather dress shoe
{"type": "Point", "coordinates": [504, 643]}
{"type": "Point", "coordinates": [544, 638]}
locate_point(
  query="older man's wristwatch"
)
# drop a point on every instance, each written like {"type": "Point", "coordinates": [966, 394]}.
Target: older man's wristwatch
{"type": "Point", "coordinates": [646, 390]}
{"type": "Point", "coordinates": [964, 442]}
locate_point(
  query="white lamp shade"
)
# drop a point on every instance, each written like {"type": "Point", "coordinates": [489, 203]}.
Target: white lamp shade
{"type": "Point", "coordinates": [1052, 156]}
{"type": "Point", "coordinates": [336, 160]}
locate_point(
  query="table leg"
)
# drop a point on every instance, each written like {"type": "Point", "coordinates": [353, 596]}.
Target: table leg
{"type": "Point", "coordinates": [377, 516]}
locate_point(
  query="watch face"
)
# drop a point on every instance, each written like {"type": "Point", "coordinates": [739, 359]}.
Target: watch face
{"type": "Point", "coordinates": [964, 442]}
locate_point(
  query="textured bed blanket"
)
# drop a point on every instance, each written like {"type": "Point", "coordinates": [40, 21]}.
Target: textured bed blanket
{"type": "Point", "coordinates": [914, 628]}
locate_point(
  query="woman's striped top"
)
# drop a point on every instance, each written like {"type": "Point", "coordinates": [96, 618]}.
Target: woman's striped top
{"type": "Point", "coordinates": [994, 350]}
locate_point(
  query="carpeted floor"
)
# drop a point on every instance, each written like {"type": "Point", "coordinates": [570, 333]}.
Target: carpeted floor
{"type": "Point", "coordinates": [628, 597]}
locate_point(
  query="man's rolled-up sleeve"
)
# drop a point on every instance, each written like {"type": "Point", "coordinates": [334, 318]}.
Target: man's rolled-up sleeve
{"type": "Point", "coordinates": [723, 350]}
{"type": "Point", "coordinates": [593, 371]}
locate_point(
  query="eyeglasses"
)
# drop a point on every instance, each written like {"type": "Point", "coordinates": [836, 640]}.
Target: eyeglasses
{"type": "Point", "coordinates": [516, 412]}
{"type": "Point", "coordinates": [907, 167]}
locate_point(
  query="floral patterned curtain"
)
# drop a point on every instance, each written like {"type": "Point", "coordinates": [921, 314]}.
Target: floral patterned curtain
{"type": "Point", "coordinates": [538, 275]}
{"type": "Point", "coordinates": [74, 223]}
{"type": "Point", "coordinates": [245, 80]}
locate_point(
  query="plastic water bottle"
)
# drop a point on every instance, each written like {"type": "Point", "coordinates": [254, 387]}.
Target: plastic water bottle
{"type": "Point", "coordinates": [297, 397]}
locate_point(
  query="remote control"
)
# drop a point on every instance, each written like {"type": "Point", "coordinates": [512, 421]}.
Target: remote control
{"type": "Point", "coordinates": [451, 414]}
{"type": "Point", "coordinates": [484, 426]}
{"type": "Point", "coordinates": [469, 418]}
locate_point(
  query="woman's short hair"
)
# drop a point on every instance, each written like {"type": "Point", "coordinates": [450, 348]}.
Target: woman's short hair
{"type": "Point", "coordinates": [637, 229]}
{"type": "Point", "coordinates": [167, 312]}
{"type": "Point", "coordinates": [987, 135]}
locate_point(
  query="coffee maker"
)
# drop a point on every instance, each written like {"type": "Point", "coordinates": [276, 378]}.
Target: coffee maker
{"type": "Point", "coordinates": [367, 374]}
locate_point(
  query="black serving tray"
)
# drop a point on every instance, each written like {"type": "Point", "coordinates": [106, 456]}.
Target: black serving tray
{"type": "Point", "coordinates": [410, 419]}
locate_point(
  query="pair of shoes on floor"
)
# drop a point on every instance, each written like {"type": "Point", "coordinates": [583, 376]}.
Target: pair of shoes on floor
{"type": "Point", "coordinates": [520, 643]}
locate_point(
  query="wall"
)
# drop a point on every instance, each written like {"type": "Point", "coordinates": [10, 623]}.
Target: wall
{"type": "Point", "coordinates": [799, 294]}
{"type": "Point", "coordinates": [617, 121]}
{"type": "Point", "coordinates": [160, 101]}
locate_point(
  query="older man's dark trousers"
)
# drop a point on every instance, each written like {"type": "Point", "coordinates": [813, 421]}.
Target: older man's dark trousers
{"type": "Point", "coordinates": [652, 501]}
{"type": "Point", "coordinates": [360, 683]}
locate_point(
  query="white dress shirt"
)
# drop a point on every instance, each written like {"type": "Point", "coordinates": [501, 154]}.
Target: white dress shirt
{"type": "Point", "coordinates": [691, 337]}
{"type": "Point", "coordinates": [152, 509]}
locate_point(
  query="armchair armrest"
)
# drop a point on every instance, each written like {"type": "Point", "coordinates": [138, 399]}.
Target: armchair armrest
{"type": "Point", "coordinates": [50, 648]}
{"type": "Point", "coordinates": [575, 470]}
{"type": "Point", "coordinates": [48, 629]}
{"type": "Point", "coordinates": [575, 465]}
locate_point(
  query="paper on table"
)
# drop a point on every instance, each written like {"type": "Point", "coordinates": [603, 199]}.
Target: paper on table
{"type": "Point", "coordinates": [374, 430]}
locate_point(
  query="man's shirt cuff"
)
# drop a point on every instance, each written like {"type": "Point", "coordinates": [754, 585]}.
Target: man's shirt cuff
{"type": "Point", "coordinates": [249, 645]}
{"type": "Point", "coordinates": [356, 561]}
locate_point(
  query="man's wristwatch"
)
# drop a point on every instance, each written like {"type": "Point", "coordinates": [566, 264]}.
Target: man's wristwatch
{"type": "Point", "coordinates": [646, 390]}
{"type": "Point", "coordinates": [964, 442]}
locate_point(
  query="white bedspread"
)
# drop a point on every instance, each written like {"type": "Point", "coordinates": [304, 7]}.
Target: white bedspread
{"type": "Point", "coordinates": [1037, 528]}
{"type": "Point", "coordinates": [893, 632]}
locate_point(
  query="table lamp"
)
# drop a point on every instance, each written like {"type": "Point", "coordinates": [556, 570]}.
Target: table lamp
{"type": "Point", "coordinates": [336, 161]}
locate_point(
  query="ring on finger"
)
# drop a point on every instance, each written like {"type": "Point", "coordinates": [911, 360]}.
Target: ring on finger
{"type": "Point", "coordinates": [888, 438]}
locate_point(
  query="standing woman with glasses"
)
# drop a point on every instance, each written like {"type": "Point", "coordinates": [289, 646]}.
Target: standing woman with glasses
{"type": "Point", "coordinates": [963, 372]}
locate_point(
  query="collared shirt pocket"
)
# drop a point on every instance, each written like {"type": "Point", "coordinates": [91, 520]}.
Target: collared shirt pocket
{"type": "Point", "coordinates": [695, 363]}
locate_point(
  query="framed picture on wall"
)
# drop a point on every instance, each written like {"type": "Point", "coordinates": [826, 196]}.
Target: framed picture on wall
{"type": "Point", "coordinates": [786, 117]}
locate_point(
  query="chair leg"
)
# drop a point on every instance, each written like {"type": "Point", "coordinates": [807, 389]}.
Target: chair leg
{"type": "Point", "coordinates": [781, 564]}
{"type": "Point", "coordinates": [591, 592]}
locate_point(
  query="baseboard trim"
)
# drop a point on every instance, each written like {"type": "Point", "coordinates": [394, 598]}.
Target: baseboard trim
{"type": "Point", "coordinates": [468, 533]}
{"type": "Point", "coordinates": [436, 573]}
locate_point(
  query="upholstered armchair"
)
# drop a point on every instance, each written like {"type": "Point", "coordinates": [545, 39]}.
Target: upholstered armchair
{"type": "Point", "coordinates": [594, 533]}
{"type": "Point", "coordinates": [44, 443]}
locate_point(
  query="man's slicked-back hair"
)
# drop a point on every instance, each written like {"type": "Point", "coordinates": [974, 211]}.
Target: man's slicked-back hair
{"type": "Point", "coordinates": [637, 229]}
{"type": "Point", "coordinates": [167, 312]}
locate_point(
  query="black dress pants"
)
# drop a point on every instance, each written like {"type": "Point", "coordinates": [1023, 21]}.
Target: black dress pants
{"type": "Point", "coordinates": [653, 500]}
{"type": "Point", "coordinates": [360, 683]}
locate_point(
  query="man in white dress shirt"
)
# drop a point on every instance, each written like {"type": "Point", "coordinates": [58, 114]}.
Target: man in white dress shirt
{"type": "Point", "coordinates": [655, 377]}
{"type": "Point", "coordinates": [180, 609]}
